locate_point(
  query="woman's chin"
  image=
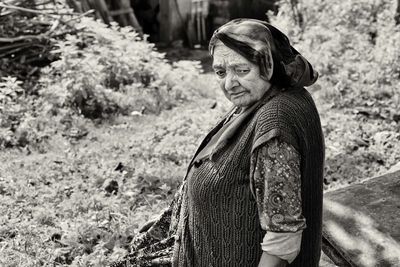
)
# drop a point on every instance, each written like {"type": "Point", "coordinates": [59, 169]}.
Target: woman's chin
{"type": "Point", "coordinates": [242, 101]}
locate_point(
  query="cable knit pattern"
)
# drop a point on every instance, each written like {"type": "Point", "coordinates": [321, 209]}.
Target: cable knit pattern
{"type": "Point", "coordinates": [214, 219]}
{"type": "Point", "coordinates": [222, 226]}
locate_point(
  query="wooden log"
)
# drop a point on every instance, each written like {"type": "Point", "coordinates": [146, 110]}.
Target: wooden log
{"type": "Point", "coordinates": [131, 18]}
{"type": "Point", "coordinates": [165, 26]}
{"type": "Point", "coordinates": [76, 5]}
{"type": "Point", "coordinates": [361, 223]}
{"type": "Point", "coordinates": [122, 19]}
{"type": "Point", "coordinates": [101, 7]}
{"type": "Point", "coordinates": [115, 13]}
{"type": "Point", "coordinates": [85, 5]}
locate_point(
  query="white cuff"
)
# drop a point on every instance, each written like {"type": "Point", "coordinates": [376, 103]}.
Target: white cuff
{"type": "Point", "coordinates": [285, 246]}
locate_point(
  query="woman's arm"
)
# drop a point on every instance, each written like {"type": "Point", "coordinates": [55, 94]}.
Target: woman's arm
{"type": "Point", "coordinates": [268, 260]}
{"type": "Point", "coordinates": [276, 182]}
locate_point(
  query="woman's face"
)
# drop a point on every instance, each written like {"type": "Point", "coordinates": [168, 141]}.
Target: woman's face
{"type": "Point", "coordinates": [238, 78]}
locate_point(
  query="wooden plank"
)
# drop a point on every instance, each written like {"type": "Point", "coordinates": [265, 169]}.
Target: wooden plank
{"type": "Point", "coordinates": [165, 24]}
{"type": "Point", "coordinates": [85, 5]}
{"type": "Point", "coordinates": [122, 19]}
{"type": "Point", "coordinates": [102, 9]}
{"type": "Point", "coordinates": [130, 18]}
{"type": "Point", "coordinates": [114, 13]}
{"type": "Point", "coordinates": [76, 5]}
{"type": "Point", "coordinates": [361, 222]}
{"type": "Point", "coordinates": [397, 15]}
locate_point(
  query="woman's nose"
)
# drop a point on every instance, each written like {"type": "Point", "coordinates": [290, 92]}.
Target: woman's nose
{"type": "Point", "coordinates": [230, 81]}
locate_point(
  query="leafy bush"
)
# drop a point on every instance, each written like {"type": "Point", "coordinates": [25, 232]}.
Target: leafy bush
{"type": "Point", "coordinates": [353, 45]}
{"type": "Point", "coordinates": [57, 208]}
{"type": "Point", "coordinates": [11, 102]}
{"type": "Point", "coordinates": [102, 71]}
{"type": "Point", "coordinates": [23, 118]}
{"type": "Point", "coordinates": [106, 70]}
{"type": "Point", "coordinates": [14, 111]}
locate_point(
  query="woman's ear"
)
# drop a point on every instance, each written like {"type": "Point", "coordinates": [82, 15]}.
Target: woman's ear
{"type": "Point", "coordinates": [267, 65]}
{"type": "Point", "coordinates": [270, 71]}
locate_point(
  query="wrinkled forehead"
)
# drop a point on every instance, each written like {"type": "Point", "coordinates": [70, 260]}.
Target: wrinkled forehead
{"type": "Point", "coordinates": [225, 57]}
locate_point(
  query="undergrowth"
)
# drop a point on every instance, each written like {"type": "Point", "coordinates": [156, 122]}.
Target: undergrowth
{"type": "Point", "coordinates": [104, 70]}
{"type": "Point", "coordinates": [353, 46]}
{"type": "Point", "coordinates": [100, 145]}
{"type": "Point", "coordinates": [101, 72]}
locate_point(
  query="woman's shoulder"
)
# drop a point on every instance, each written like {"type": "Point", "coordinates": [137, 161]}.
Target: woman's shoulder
{"type": "Point", "coordinates": [287, 104]}
{"type": "Point", "coordinates": [275, 119]}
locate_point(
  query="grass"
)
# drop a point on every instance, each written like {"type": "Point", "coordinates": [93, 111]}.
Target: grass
{"type": "Point", "coordinates": [80, 202]}
{"type": "Point", "coordinates": [58, 206]}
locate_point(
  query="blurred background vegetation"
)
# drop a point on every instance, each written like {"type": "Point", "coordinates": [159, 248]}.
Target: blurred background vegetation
{"type": "Point", "coordinates": [97, 125]}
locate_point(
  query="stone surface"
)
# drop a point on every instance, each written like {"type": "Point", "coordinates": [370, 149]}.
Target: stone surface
{"type": "Point", "coordinates": [362, 223]}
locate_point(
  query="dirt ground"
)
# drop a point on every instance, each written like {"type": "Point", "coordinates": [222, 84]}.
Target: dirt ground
{"type": "Point", "coordinates": [183, 53]}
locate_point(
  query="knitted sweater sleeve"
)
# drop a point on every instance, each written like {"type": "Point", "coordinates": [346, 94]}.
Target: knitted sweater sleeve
{"type": "Point", "coordinates": [275, 169]}
{"type": "Point", "coordinates": [276, 120]}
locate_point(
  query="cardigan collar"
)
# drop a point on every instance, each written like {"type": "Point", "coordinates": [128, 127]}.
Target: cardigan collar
{"type": "Point", "coordinates": [238, 121]}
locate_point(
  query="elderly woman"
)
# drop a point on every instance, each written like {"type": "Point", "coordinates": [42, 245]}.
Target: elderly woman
{"type": "Point", "coordinates": [252, 195]}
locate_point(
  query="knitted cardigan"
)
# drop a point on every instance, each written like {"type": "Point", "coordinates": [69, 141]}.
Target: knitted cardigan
{"type": "Point", "coordinates": [221, 227]}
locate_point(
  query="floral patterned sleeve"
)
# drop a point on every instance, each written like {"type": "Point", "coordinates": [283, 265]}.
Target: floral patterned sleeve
{"type": "Point", "coordinates": [154, 246]}
{"type": "Point", "coordinates": [276, 182]}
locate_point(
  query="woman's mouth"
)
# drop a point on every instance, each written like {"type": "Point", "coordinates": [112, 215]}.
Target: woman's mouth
{"type": "Point", "coordinates": [237, 94]}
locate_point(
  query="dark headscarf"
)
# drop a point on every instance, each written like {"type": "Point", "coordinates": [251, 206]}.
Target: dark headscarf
{"type": "Point", "coordinates": [270, 49]}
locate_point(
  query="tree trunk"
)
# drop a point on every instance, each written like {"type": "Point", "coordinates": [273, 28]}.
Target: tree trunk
{"type": "Point", "coordinates": [397, 16]}
{"type": "Point", "coordinates": [298, 17]}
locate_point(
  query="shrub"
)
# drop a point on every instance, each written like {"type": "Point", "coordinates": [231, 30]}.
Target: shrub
{"type": "Point", "coordinates": [13, 108]}
{"type": "Point", "coordinates": [22, 117]}
{"type": "Point", "coordinates": [102, 71]}
{"type": "Point", "coordinates": [106, 70]}
{"type": "Point", "coordinates": [353, 45]}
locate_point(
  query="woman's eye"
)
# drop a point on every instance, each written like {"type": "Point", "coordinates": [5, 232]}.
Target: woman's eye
{"type": "Point", "coordinates": [220, 73]}
{"type": "Point", "coordinates": [242, 71]}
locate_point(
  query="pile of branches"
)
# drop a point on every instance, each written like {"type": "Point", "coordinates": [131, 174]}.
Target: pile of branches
{"type": "Point", "coordinates": [28, 31]}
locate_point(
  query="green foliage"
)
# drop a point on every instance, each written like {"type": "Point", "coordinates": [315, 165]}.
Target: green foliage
{"type": "Point", "coordinates": [106, 70]}
{"type": "Point", "coordinates": [102, 71]}
{"type": "Point", "coordinates": [352, 44]}
{"type": "Point", "coordinates": [55, 209]}
{"type": "Point", "coordinates": [17, 126]}
{"type": "Point", "coordinates": [354, 47]}
{"type": "Point", "coordinates": [11, 102]}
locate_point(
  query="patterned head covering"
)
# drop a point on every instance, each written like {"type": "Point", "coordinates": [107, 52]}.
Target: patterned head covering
{"type": "Point", "coordinates": [267, 47]}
